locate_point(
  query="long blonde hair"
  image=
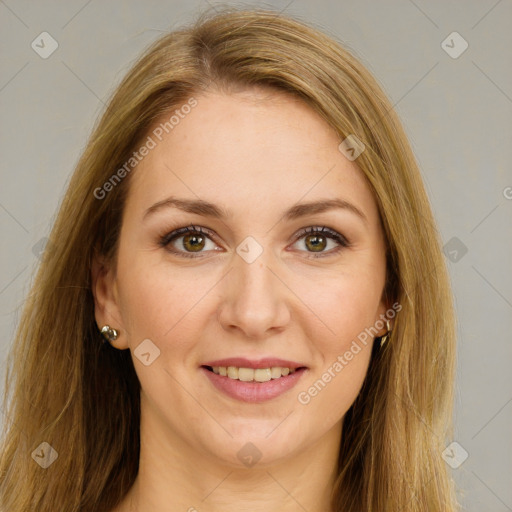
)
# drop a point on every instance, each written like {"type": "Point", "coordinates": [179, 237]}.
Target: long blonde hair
{"type": "Point", "coordinates": [66, 388]}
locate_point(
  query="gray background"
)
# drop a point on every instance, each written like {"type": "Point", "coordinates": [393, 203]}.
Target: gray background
{"type": "Point", "coordinates": [456, 111]}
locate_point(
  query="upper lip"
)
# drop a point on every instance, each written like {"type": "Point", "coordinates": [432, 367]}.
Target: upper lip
{"type": "Point", "coordinates": [266, 362]}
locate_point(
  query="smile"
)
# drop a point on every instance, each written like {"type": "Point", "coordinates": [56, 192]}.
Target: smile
{"type": "Point", "coordinates": [253, 385]}
{"type": "Point", "coordinates": [251, 374]}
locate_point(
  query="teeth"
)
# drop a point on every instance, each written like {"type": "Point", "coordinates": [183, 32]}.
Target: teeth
{"type": "Point", "coordinates": [275, 373]}
{"type": "Point", "coordinates": [246, 374]}
{"type": "Point", "coordinates": [262, 374]}
{"type": "Point", "coordinates": [251, 374]}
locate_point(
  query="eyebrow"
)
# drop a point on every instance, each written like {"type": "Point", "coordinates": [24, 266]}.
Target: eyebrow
{"type": "Point", "coordinates": [207, 209]}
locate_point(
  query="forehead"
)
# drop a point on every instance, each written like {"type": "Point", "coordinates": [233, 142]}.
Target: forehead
{"type": "Point", "coordinates": [254, 148]}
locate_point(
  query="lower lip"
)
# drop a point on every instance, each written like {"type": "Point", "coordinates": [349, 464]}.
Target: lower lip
{"type": "Point", "coordinates": [254, 392]}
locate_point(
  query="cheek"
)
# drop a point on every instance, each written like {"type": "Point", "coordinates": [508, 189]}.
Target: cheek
{"type": "Point", "coordinates": [162, 308]}
{"type": "Point", "coordinates": [347, 308]}
{"type": "Point", "coordinates": [145, 294]}
{"type": "Point", "coordinates": [332, 392]}
{"type": "Point", "coordinates": [346, 305]}
{"type": "Point", "coordinates": [161, 303]}
{"type": "Point", "coordinates": [146, 305]}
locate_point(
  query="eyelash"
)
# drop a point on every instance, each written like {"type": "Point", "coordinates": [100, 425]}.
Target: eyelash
{"type": "Point", "coordinates": [329, 233]}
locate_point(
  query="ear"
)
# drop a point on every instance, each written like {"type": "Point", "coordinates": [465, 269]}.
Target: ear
{"type": "Point", "coordinates": [383, 314]}
{"type": "Point", "coordinates": [106, 303]}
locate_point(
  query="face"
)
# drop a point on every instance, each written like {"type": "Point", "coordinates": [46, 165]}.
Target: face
{"type": "Point", "coordinates": [252, 284]}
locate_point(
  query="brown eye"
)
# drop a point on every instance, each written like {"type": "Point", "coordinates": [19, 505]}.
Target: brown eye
{"type": "Point", "coordinates": [193, 242]}
{"type": "Point", "coordinates": [316, 243]}
{"type": "Point", "coordinates": [195, 239]}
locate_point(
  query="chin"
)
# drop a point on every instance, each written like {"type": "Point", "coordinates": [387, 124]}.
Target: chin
{"type": "Point", "coordinates": [262, 446]}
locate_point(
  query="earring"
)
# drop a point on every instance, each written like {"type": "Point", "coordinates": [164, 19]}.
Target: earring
{"type": "Point", "coordinates": [109, 333]}
{"type": "Point", "coordinates": [386, 336]}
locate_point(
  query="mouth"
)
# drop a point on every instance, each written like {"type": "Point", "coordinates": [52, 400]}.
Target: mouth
{"type": "Point", "coordinates": [253, 385]}
{"type": "Point", "coordinates": [253, 374]}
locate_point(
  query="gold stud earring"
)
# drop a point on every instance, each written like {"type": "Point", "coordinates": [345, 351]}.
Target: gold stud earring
{"type": "Point", "coordinates": [109, 334]}
{"type": "Point", "coordinates": [387, 335]}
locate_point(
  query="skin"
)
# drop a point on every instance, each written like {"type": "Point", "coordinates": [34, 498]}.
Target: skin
{"type": "Point", "coordinates": [257, 153]}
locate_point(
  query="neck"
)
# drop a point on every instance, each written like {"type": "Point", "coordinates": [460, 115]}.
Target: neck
{"type": "Point", "coordinates": [173, 475]}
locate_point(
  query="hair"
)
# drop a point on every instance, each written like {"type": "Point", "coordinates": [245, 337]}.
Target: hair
{"type": "Point", "coordinates": [65, 387]}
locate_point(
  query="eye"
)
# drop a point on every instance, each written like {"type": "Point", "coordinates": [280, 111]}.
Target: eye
{"type": "Point", "coordinates": [316, 238]}
{"type": "Point", "coordinates": [195, 238]}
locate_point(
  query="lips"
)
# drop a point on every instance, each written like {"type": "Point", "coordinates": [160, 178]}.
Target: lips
{"type": "Point", "coordinates": [243, 379]}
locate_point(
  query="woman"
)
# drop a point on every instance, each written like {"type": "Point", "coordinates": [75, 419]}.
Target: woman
{"type": "Point", "coordinates": [245, 306]}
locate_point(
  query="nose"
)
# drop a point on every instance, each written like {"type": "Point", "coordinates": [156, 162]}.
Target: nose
{"type": "Point", "coordinates": [254, 300]}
